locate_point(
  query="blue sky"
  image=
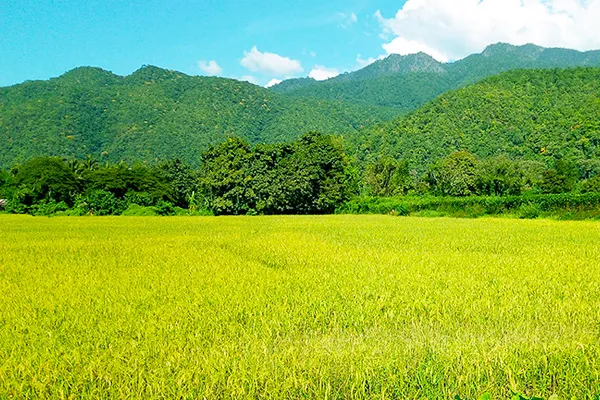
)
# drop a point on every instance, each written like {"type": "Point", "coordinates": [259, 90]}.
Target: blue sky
{"type": "Point", "coordinates": [44, 38]}
{"type": "Point", "coordinates": [268, 40]}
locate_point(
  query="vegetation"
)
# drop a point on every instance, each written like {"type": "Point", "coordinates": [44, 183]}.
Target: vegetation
{"type": "Point", "coordinates": [309, 176]}
{"type": "Point", "coordinates": [408, 82]}
{"type": "Point", "coordinates": [156, 114]}
{"type": "Point", "coordinates": [526, 115]}
{"type": "Point", "coordinates": [566, 206]}
{"type": "Point", "coordinates": [312, 175]}
{"type": "Point", "coordinates": [362, 307]}
{"type": "Point", "coordinates": [524, 132]}
{"type": "Point", "coordinates": [333, 307]}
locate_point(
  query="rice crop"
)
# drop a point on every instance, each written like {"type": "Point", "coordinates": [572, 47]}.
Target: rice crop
{"type": "Point", "coordinates": [331, 307]}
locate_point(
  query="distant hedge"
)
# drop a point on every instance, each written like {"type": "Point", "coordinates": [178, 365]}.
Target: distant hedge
{"type": "Point", "coordinates": [526, 206]}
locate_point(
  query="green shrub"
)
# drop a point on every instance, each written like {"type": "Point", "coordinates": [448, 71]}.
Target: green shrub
{"type": "Point", "coordinates": [72, 212]}
{"type": "Point", "coordinates": [140, 198]}
{"type": "Point", "coordinates": [49, 207]}
{"type": "Point", "coordinates": [14, 206]}
{"type": "Point", "coordinates": [529, 211]}
{"type": "Point", "coordinates": [135, 210]}
{"type": "Point", "coordinates": [101, 202]}
{"type": "Point", "coordinates": [196, 212]}
{"type": "Point", "coordinates": [164, 208]}
{"type": "Point", "coordinates": [591, 185]}
{"type": "Point", "coordinates": [523, 206]}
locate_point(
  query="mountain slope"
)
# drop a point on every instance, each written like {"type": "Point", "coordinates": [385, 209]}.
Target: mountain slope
{"type": "Point", "coordinates": [407, 82]}
{"type": "Point", "coordinates": [529, 114]}
{"type": "Point", "coordinates": [155, 113]}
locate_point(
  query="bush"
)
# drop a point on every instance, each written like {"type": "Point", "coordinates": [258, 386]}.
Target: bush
{"type": "Point", "coordinates": [14, 206]}
{"type": "Point", "coordinates": [529, 211]}
{"type": "Point", "coordinates": [524, 206]}
{"type": "Point", "coordinates": [135, 210]}
{"type": "Point", "coordinates": [140, 198]}
{"type": "Point", "coordinates": [591, 185]}
{"type": "Point", "coordinates": [164, 208]}
{"type": "Point", "coordinates": [101, 202]}
{"type": "Point", "coordinates": [48, 208]}
{"type": "Point", "coordinates": [72, 212]}
{"type": "Point", "coordinates": [195, 212]}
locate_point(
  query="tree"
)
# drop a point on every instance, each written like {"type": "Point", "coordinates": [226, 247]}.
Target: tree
{"type": "Point", "coordinates": [182, 179]}
{"type": "Point", "coordinates": [5, 179]}
{"type": "Point", "coordinates": [120, 179]}
{"type": "Point", "coordinates": [320, 174]}
{"type": "Point", "coordinates": [499, 176]}
{"type": "Point", "coordinates": [310, 175]}
{"type": "Point", "coordinates": [456, 175]}
{"type": "Point", "coordinates": [591, 185]}
{"type": "Point", "coordinates": [388, 177]}
{"type": "Point", "coordinates": [47, 178]}
{"type": "Point", "coordinates": [561, 179]}
{"type": "Point", "coordinates": [224, 178]}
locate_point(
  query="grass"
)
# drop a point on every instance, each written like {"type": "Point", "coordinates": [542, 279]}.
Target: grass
{"type": "Point", "coordinates": [335, 307]}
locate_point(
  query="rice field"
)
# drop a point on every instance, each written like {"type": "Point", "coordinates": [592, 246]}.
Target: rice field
{"type": "Point", "coordinates": [334, 307]}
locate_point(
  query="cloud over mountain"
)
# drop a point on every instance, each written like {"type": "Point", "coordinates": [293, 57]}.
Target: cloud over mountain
{"type": "Point", "coordinates": [210, 67]}
{"type": "Point", "coordinates": [452, 29]}
{"type": "Point", "coordinates": [271, 64]}
{"type": "Point", "coordinates": [321, 73]}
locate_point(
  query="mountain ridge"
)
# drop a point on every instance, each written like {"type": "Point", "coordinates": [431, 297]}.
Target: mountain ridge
{"type": "Point", "coordinates": [384, 83]}
{"type": "Point", "coordinates": [155, 114]}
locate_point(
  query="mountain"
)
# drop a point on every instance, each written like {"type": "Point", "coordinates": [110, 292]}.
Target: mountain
{"type": "Point", "coordinates": [525, 114]}
{"type": "Point", "coordinates": [396, 65]}
{"type": "Point", "coordinates": [407, 82]}
{"type": "Point", "coordinates": [155, 114]}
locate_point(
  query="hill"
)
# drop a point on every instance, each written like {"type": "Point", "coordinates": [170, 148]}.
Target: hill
{"type": "Point", "coordinates": [156, 114]}
{"type": "Point", "coordinates": [527, 114]}
{"type": "Point", "coordinates": [407, 82]}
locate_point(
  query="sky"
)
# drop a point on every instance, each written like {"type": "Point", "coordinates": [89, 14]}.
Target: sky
{"type": "Point", "coordinates": [267, 41]}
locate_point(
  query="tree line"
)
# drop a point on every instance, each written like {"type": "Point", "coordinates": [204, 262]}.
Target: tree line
{"type": "Point", "coordinates": [312, 175]}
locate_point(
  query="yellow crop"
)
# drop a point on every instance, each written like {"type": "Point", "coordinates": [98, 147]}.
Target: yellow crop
{"type": "Point", "coordinates": [336, 307]}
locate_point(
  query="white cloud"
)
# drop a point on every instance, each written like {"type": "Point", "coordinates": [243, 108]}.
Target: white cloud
{"type": "Point", "coordinates": [270, 63]}
{"type": "Point", "coordinates": [453, 29]}
{"type": "Point", "coordinates": [363, 62]}
{"type": "Point", "coordinates": [347, 20]}
{"type": "Point", "coordinates": [403, 47]}
{"type": "Point", "coordinates": [321, 73]}
{"type": "Point", "coordinates": [210, 67]}
{"type": "Point", "coordinates": [249, 78]}
{"type": "Point", "coordinates": [273, 82]}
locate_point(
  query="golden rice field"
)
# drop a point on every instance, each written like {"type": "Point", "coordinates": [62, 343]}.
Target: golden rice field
{"type": "Point", "coordinates": [335, 307]}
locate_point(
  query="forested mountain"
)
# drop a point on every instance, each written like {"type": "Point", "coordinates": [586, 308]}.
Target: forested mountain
{"type": "Point", "coordinates": [157, 114]}
{"type": "Point", "coordinates": [525, 114]}
{"type": "Point", "coordinates": [407, 82]}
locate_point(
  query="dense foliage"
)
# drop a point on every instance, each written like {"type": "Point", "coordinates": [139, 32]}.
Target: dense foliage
{"type": "Point", "coordinates": [407, 82]}
{"type": "Point", "coordinates": [526, 114]}
{"type": "Point", "coordinates": [564, 206]}
{"type": "Point", "coordinates": [156, 114]}
{"type": "Point", "coordinates": [523, 132]}
{"type": "Point", "coordinates": [309, 176]}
